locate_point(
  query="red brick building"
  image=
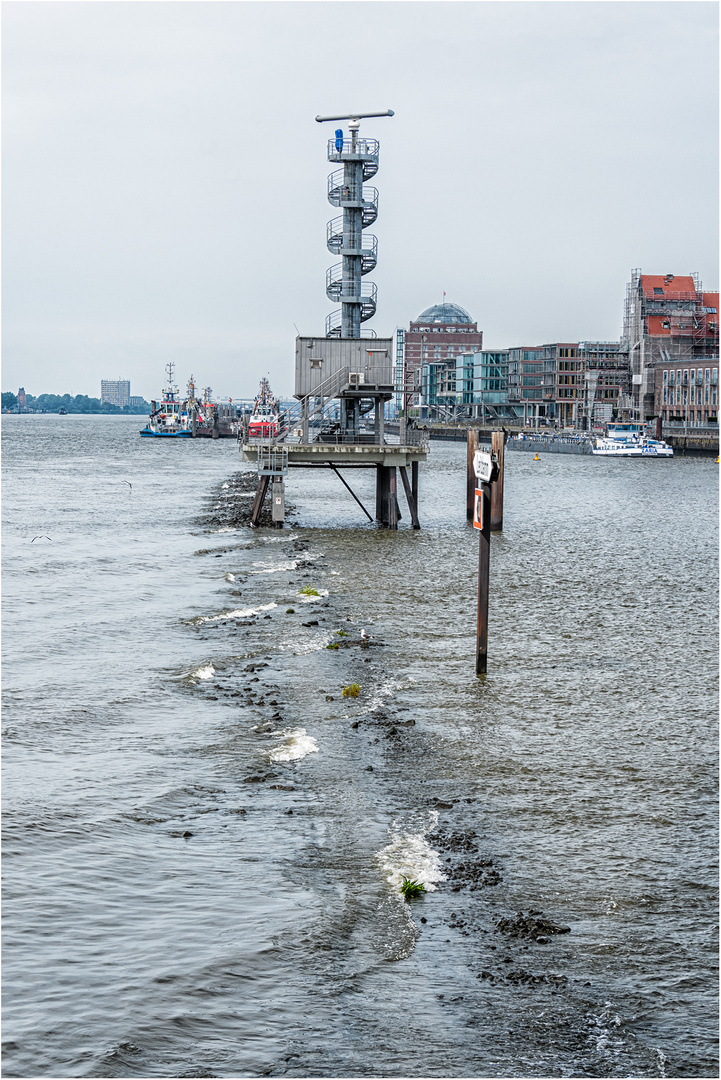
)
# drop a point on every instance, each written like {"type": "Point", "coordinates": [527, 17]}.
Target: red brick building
{"type": "Point", "coordinates": [668, 318]}
{"type": "Point", "coordinates": [439, 333]}
{"type": "Point", "coordinates": [687, 392]}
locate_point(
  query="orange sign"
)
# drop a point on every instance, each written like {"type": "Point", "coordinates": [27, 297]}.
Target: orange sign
{"type": "Point", "coordinates": [478, 509]}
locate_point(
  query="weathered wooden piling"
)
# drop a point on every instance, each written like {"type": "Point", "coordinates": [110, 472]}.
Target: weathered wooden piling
{"type": "Point", "coordinates": [382, 483]}
{"type": "Point", "coordinates": [393, 508]}
{"type": "Point", "coordinates": [498, 443]}
{"type": "Point", "coordinates": [261, 490]}
{"type": "Point", "coordinates": [471, 447]}
{"type": "Point", "coordinates": [482, 521]}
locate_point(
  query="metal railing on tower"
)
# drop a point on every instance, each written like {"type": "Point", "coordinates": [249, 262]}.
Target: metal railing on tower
{"type": "Point", "coordinates": [348, 191]}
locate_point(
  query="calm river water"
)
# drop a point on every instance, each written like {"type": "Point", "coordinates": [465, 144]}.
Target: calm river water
{"type": "Point", "coordinates": [204, 839]}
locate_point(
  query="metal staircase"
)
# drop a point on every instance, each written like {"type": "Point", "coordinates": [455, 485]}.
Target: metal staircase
{"type": "Point", "coordinates": [308, 408]}
{"type": "Point", "coordinates": [359, 202]}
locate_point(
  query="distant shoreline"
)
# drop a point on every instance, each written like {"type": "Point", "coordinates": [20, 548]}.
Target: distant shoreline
{"type": "Point", "coordinates": [136, 411]}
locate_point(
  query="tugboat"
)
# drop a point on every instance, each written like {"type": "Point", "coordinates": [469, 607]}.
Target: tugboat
{"type": "Point", "coordinates": [169, 419]}
{"type": "Point", "coordinates": [263, 423]}
{"type": "Point", "coordinates": [630, 440]}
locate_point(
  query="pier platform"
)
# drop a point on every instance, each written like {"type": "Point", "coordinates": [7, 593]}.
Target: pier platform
{"type": "Point", "coordinates": [345, 455]}
{"type": "Point", "coordinates": [389, 460]}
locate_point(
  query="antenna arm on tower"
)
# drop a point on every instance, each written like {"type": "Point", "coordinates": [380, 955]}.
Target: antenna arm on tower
{"type": "Point", "coordinates": [354, 116]}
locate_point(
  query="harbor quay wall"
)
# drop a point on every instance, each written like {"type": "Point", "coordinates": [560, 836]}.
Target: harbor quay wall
{"type": "Point", "coordinates": [550, 446]}
{"type": "Point", "coordinates": [706, 445]}
{"type": "Point", "coordinates": [703, 443]}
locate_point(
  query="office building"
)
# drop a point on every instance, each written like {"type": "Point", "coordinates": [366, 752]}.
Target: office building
{"type": "Point", "coordinates": [115, 392]}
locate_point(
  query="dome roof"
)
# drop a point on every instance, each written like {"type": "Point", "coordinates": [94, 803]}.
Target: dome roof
{"type": "Point", "coordinates": [445, 313]}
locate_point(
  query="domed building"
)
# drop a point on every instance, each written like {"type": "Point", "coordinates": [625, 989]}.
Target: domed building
{"type": "Point", "coordinates": [433, 341]}
{"type": "Point", "coordinates": [446, 314]}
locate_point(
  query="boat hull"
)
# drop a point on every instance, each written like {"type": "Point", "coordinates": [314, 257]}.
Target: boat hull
{"type": "Point", "coordinates": [633, 451]}
{"type": "Point", "coordinates": [148, 434]}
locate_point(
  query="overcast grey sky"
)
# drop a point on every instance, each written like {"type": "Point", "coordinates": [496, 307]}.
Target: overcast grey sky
{"type": "Point", "coordinates": [164, 181]}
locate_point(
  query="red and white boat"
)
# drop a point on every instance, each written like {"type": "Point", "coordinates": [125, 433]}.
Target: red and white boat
{"type": "Point", "coordinates": [263, 423]}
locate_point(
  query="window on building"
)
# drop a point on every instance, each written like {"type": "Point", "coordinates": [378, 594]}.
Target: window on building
{"type": "Point", "coordinates": [665, 376]}
{"type": "Point", "coordinates": [671, 376]}
{"type": "Point", "coordinates": [708, 374]}
{"type": "Point", "coordinates": [714, 376]}
{"type": "Point", "coordinates": [693, 374]}
{"type": "Point", "coordinates": [657, 292]}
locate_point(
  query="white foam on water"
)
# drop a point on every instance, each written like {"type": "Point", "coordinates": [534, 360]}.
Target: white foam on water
{"type": "Point", "coordinates": [224, 529]}
{"type": "Point", "coordinates": [230, 577]}
{"type": "Point", "coordinates": [383, 692]}
{"type": "Point", "coordinates": [662, 1062]}
{"type": "Point", "coordinates": [298, 647]}
{"type": "Point", "coordinates": [296, 744]}
{"type": "Point", "coordinates": [207, 671]}
{"type": "Point", "coordinates": [275, 569]}
{"type": "Point", "coordinates": [239, 613]}
{"type": "Point", "coordinates": [410, 855]}
{"type": "Point", "coordinates": [225, 485]}
{"type": "Point", "coordinates": [277, 539]}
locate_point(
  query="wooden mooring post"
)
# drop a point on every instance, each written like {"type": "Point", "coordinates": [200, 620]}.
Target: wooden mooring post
{"type": "Point", "coordinates": [471, 447]}
{"type": "Point", "coordinates": [498, 443]}
{"type": "Point", "coordinates": [482, 522]}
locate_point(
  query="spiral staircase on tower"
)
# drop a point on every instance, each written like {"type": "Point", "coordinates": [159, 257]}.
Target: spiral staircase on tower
{"type": "Point", "coordinates": [347, 190]}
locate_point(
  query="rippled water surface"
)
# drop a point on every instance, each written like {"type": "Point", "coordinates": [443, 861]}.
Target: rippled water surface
{"type": "Point", "coordinates": [204, 839]}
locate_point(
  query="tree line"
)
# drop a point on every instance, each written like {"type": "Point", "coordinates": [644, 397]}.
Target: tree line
{"type": "Point", "coordinates": [81, 403]}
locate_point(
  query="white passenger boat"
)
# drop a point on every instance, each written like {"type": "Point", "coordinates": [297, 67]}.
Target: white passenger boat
{"type": "Point", "coordinates": [630, 440]}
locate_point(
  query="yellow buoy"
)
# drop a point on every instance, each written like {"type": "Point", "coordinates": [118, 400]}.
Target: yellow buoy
{"type": "Point", "coordinates": [537, 458]}
{"type": "Point", "coordinates": [717, 461]}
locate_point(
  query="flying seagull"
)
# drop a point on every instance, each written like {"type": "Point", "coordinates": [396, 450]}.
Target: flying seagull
{"type": "Point", "coordinates": [129, 484]}
{"type": "Point", "coordinates": [40, 538]}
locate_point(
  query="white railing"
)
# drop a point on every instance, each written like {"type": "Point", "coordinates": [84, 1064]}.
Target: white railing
{"type": "Point", "coordinates": [343, 149]}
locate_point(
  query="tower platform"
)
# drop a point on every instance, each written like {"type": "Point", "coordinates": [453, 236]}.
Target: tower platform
{"type": "Point", "coordinates": [388, 460]}
{"type": "Point", "coordinates": [345, 455]}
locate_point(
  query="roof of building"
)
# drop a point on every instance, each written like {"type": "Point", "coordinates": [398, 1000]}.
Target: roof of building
{"type": "Point", "coordinates": [671, 285]}
{"type": "Point", "coordinates": [445, 313]}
